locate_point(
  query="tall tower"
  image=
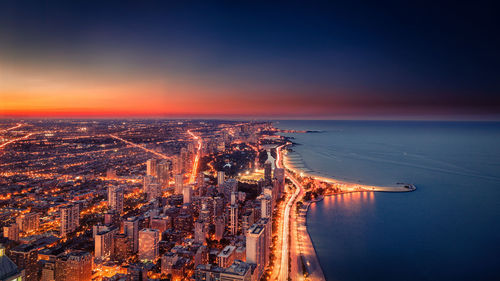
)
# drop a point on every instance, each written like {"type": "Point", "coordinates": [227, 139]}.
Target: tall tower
{"type": "Point", "coordinates": [70, 218]}
{"type": "Point", "coordinates": [233, 219]}
{"type": "Point", "coordinates": [220, 178]}
{"type": "Point", "coordinates": [151, 167]}
{"type": "Point", "coordinates": [179, 183]}
{"type": "Point", "coordinates": [148, 244]}
{"type": "Point", "coordinates": [131, 228]}
{"type": "Point", "coordinates": [115, 199]}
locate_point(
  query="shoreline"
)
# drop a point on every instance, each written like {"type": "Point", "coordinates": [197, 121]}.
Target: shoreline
{"type": "Point", "coordinates": [347, 185]}
{"type": "Point", "coordinates": [312, 260]}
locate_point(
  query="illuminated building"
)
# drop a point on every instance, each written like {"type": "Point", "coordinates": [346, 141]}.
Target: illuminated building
{"type": "Point", "coordinates": [279, 180]}
{"type": "Point", "coordinates": [201, 256]}
{"type": "Point", "coordinates": [9, 271]}
{"type": "Point", "coordinates": [219, 227]}
{"type": "Point", "coordinates": [115, 199]}
{"type": "Point", "coordinates": [226, 256]}
{"type": "Point", "coordinates": [104, 241]}
{"type": "Point", "coordinates": [70, 218]}
{"type": "Point", "coordinates": [131, 229]}
{"type": "Point", "coordinates": [265, 206]}
{"type": "Point", "coordinates": [122, 247]}
{"type": "Point", "coordinates": [247, 220]}
{"type": "Point", "coordinates": [179, 183]}
{"type": "Point", "coordinates": [148, 244]}
{"type": "Point", "coordinates": [267, 172]}
{"type": "Point", "coordinates": [257, 245]}
{"type": "Point", "coordinates": [163, 173]}
{"type": "Point", "coordinates": [28, 222]}
{"type": "Point", "coordinates": [220, 178]}
{"type": "Point", "coordinates": [137, 272]}
{"type": "Point", "coordinates": [187, 194]}
{"type": "Point", "coordinates": [238, 271]}
{"type": "Point", "coordinates": [200, 231]}
{"type": "Point", "coordinates": [160, 223]}
{"type": "Point", "coordinates": [25, 256]}
{"type": "Point", "coordinates": [11, 232]}
{"type": "Point", "coordinates": [233, 219]}
{"type": "Point", "coordinates": [153, 191]}
{"type": "Point", "coordinates": [151, 167]}
{"type": "Point", "coordinates": [111, 218]}
{"type": "Point", "coordinates": [74, 266]}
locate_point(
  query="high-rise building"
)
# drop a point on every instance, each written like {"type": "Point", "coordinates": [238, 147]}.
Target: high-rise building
{"type": "Point", "coordinates": [25, 256]}
{"type": "Point", "coordinates": [151, 167]}
{"type": "Point", "coordinates": [257, 245]}
{"type": "Point", "coordinates": [164, 173]}
{"type": "Point", "coordinates": [200, 231]}
{"type": "Point", "coordinates": [279, 180]}
{"type": "Point", "coordinates": [179, 183]}
{"type": "Point", "coordinates": [153, 191]}
{"type": "Point", "coordinates": [112, 218]}
{"type": "Point", "coordinates": [70, 218]}
{"type": "Point", "coordinates": [219, 227]}
{"type": "Point", "coordinates": [226, 256]}
{"type": "Point", "coordinates": [201, 256]}
{"type": "Point", "coordinates": [104, 241]}
{"type": "Point", "coordinates": [233, 219]}
{"type": "Point", "coordinates": [123, 247]}
{"type": "Point", "coordinates": [9, 271]}
{"type": "Point", "coordinates": [11, 232]}
{"type": "Point", "coordinates": [265, 206]}
{"type": "Point", "coordinates": [184, 160]}
{"type": "Point", "coordinates": [28, 222]}
{"type": "Point", "coordinates": [74, 266]}
{"type": "Point", "coordinates": [267, 172]}
{"type": "Point", "coordinates": [131, 229]}
{"type": "Point", "coordinates": [220, 178]}
{"type": "Point", "coordinates": [115, 199]}
{"type": "Point", "coordinates": [247, 220]}
{"type": "Point", "coordinates": [200, 181]}
{"type": "Point", "coordinates": [148, 244]}
{"type": "Point", "coordinates": [187, 194]}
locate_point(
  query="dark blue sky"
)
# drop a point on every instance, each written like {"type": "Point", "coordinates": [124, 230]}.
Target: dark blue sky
{"type": "Point", "coordinates": [335, 59]}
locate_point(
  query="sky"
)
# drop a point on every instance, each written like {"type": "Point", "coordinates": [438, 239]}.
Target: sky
{"type": "Point", "coordinates": [283, 59]}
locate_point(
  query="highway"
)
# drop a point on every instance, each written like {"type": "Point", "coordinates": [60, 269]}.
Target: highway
{"type": "Point", "coordinates": [283, 270]}
{"type": "Point", "coordinates": [14, 140]}
{"type": "Point", "coordinates": [140, 146]}
{"type": "Point", "coordinates": [196, 158]}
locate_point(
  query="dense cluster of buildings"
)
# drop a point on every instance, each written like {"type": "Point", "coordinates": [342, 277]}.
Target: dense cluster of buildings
{"type": "Point", "coordinates": [167, 218]}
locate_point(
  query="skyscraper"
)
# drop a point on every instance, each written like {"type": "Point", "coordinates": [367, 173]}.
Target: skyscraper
{"type": "Point", "coordinates": [104, 241]}
{"type": "Point", "coordinates": [265, 206]}
{"type": "Point", "coordinates": [220, 178]}
{"type": "Point", "coordinates": [219, 227]}
{"type": "Point", "coordinates": [163, 173]}
{"type": "Point", "coordinates": [200, 231]}
{"type": "Point", "coordinates": [70, 218]}
{"type": "Point", "coordinates": [148, 244]}
{"type": "Point", "coordinates": [179, 183]}
{"type": "Point", "coordinates": [115, 199]}
{"type": "Point", "coordinates": [131, 229]}
{"type": "Point", "coordinates": [233, 219]}
{"type": "Point", "coordinates": [255, 247]}
{"type": "Point", "coordinates": [267, 172]}
{"type": "Point", "coordinates": [187, 193]}
{"type": "Point", "coordinates": [151, 167]}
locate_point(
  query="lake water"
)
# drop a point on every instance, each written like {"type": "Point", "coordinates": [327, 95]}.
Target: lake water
{"type": "Point", "coordinates": [449, 229]}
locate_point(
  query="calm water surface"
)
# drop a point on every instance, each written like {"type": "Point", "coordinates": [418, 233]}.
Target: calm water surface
{"type": "Point", "coordinates": [449, 229]}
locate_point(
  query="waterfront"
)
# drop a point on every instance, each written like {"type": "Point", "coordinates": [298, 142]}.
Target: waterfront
{"type": "Point", "coordinates": [443, 231]}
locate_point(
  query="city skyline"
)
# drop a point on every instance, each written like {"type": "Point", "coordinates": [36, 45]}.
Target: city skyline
{"type": "Point", "coordinates": [226, 60]}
